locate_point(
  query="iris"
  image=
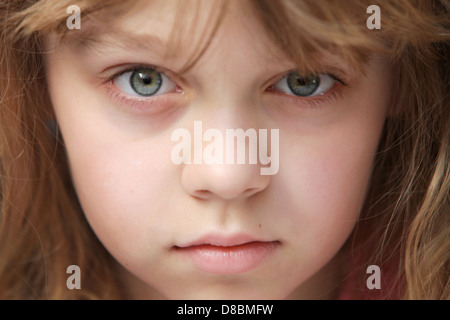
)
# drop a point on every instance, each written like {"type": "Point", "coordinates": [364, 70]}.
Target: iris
{"type": "Point", "coordinates": [146, 82]}
{"type": "Point", "coordinates": [303, 86]}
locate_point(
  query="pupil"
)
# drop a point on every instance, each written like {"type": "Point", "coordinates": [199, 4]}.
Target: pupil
{"type": "Point", "coordinates": [147, 79]}
{"type": "Point", "coordinates": [301, 81]}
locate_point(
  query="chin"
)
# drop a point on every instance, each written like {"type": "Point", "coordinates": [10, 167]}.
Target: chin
{"type": "Point", "coordinates": [230, 292]}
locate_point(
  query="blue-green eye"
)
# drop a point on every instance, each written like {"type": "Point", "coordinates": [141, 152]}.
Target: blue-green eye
{"type": "Point", "coordinates": [144, 82]}
{"type": "Point", "coordinates": [305, 86]}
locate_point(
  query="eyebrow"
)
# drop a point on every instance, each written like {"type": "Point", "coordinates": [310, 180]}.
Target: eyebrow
{"type": "Point", "coordinates": [100, 38]}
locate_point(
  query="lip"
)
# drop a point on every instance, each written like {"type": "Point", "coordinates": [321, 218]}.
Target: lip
{"type": "Point", "coordinates": [227, 254]}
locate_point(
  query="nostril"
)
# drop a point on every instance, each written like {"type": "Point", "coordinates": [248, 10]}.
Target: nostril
{"type": "Point", "coordinates": [206, 194]}
{"type": "Point", "coordinates": [202, 194]}
{"type": "Point", "coordinates": [251, 191]}
{"type": "Point", "coordinates": [209, 182]}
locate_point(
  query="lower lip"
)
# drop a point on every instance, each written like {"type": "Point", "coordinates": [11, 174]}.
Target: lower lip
{"type": "Point", "coordinates": [231, 259]}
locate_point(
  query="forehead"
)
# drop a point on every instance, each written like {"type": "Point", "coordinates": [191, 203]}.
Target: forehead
{"type": "Point", "coordinates": [174, 28]}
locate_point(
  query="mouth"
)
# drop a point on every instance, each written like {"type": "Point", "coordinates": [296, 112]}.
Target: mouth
{"type": "Point", "coordinates": [232, 255]}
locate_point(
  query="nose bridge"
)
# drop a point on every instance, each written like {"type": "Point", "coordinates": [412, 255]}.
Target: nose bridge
{"type": "Point", "coordinates": [227, 110]}
{"type": "Point", "coordinates": [223, 74]}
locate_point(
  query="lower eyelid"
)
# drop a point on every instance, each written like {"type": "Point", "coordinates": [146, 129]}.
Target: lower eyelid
{"type": "Point", "coordinates": [317, 101]}
{"type": "Point", "coordinates": [124, 79]}
{"type": "Point", "coordinates": [284, 90]}
{"type": "Point", "coordinates": [142, 105]}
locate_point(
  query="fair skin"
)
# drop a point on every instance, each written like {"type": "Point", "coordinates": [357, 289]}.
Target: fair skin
{"type": "Point", "coordinates": [143, 207]}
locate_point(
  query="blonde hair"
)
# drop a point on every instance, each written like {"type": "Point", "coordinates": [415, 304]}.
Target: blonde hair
{"type": "Point", "coordinates": [404, 227]}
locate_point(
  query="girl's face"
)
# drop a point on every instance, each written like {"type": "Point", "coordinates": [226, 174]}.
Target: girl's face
{"type": "Point", "coordinates": [214, 231]}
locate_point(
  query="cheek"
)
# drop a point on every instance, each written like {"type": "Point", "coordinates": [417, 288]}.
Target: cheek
{"type": "Point", "coordinates": [325, 173]}
{"type": "Point", "coordinates": [323, 190]}
{"type": "Point", "coordinates": [334, 176]}
{"type": "Point", "coordinates": [122, 189]}
{"type": "Point", "coordinates": [323, 199]}
{"type": "Point", "coordinates": [121, 181]}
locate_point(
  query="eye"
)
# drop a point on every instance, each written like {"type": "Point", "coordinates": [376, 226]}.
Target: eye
{"type": "Point", "coordinates": [305, 86]}
{"type": "Point", "coordinates": [144, 82]}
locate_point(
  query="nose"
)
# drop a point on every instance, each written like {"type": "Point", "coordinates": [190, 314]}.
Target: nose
{"type": "Point", "coordinates": [223, 181]}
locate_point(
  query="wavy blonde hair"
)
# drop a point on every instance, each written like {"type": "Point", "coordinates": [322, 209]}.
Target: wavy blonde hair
{"type": "Point", "coordinates": [405, 224]}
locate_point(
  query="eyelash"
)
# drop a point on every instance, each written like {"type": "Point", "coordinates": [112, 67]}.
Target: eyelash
{"type": "Point", "coordinates": [135, 103]}
{"type": "Point", "coordinates": [141, 104]}
{"type": "Point", "coordinates": [316, 101]}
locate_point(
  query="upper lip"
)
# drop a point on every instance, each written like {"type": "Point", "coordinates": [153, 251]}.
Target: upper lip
{"type": "Point", "coordinates": [223, 240]}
